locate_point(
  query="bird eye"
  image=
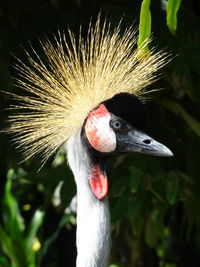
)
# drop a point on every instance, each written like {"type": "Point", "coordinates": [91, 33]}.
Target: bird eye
{"type": "Point", "coordinates": [116, 124]}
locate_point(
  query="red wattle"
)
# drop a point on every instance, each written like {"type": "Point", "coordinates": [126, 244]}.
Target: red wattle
{"type": "Point", "coordinates": [98, 183]}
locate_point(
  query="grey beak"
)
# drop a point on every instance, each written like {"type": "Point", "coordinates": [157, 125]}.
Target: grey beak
{"type": "Point", "coordinates": [139, 142]}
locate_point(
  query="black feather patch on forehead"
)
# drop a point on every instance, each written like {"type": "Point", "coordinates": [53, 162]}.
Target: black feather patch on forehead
{"type": "Point", "coordinates": [129, 108]}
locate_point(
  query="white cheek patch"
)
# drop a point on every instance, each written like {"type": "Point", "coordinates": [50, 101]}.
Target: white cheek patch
{"type": "Point", "coordinates": [98, 131]}
{"type": "Point", "coordinates": [106, 138]}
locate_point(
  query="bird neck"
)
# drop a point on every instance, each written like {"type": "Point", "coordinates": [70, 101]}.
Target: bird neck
{"type": "Point", "coordinates": [93, 218]}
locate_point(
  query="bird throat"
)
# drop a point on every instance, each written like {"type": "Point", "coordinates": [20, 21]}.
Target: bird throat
{"type": "Point", "coordinates": [98, 181]}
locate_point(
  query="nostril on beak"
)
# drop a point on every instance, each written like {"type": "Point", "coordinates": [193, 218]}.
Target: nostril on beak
{"type": "Point", "coordinates": [147, 141]}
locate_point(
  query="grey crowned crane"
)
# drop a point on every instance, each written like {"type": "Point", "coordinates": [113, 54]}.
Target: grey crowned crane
{"type": "Point", "coordinates": [87, 100]}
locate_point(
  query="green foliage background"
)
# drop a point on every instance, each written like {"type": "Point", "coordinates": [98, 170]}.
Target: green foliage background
{"type": "Point", "coordinates": [154, 202]}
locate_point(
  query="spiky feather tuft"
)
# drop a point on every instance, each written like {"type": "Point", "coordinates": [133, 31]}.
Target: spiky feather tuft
{"type": "Point", "coordinates": [79, 75]}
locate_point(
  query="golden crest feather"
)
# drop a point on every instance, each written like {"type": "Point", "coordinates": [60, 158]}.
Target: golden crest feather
{"type": "Point", "coordinates": [80, 74]}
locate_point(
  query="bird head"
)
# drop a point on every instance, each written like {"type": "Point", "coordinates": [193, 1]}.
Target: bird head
{"type": "Point", "coordinates": [116, 125]}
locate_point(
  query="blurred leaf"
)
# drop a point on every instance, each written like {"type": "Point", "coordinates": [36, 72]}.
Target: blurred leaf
{"type": "Point", "coordinates": [172, 9]}
{"type": "Point", "coordinates": [4, 262]}
{"type": "Point", "coordinates": [22, 175]}
{"type": "Point", "coordinates": [135, 179]}
{"type": "Point", "coordinates": [119, 208]}
{"type": "Point", "coordinates": [59, 160]}
{"type": "Point", "coordinates": [12, 219]}
{"type": "Point", "coordinates": [135, 212]}
{"type": "Point", "coordinates": [118, 187]}
{"type": "Point", "coordinates": [12, 238]}
{"type": "Point", "coordinates": [134, 209]}
{"type": "Point", "coordinates": [156, 194]}
{"type": "Point", "coordinates": [35, 223]}
{"type": "Point", "coordinates": [163, 263]}
{"type": "Point", "coordinates": [172, 187]}
{"type": "Point", "coordinates": [158, 216]}
{"type": "Point", "coordinates": [7, 246]}
{"type": "Point", "coordinates": [144, 28]}
{"type": "Point", "coordinates": [177, 109]}
{"type": "Point", "coordinates": [138, 226]}
{"type": "Point", "coordinates": [151, 233]}
{"type": "Point", "coordinates": [10, 174]}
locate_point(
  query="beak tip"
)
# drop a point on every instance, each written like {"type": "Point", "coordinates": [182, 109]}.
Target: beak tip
{"type": "Point", "coordinates": [171, 154]}
{"type": "Point", "coordinates": [168, 153]}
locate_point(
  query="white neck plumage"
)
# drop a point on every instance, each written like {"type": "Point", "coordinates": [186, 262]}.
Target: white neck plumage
{"type": "Point", "coordinates": [93, 218]}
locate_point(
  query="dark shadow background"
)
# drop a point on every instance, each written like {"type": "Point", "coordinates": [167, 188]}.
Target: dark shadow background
{"type": "Point", "coordinates": [154, 201]}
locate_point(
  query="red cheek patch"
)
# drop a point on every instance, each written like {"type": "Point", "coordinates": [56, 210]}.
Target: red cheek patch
{"type": "Point", "coordinates": [98, 182]}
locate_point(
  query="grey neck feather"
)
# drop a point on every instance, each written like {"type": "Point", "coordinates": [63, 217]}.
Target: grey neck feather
{"type": "Point", "coordinates": [93, 218]}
